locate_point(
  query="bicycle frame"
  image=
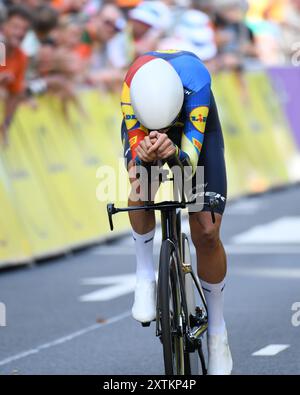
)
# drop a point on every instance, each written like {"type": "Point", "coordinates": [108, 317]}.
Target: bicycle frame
{"type": "Point", "coordinates": [194, 325]}
{"type": "Point", "coordinates": [171, 230]}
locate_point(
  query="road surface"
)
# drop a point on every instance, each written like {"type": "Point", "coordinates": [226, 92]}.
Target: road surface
{"type": "Point", "coordinates": [72, 315]}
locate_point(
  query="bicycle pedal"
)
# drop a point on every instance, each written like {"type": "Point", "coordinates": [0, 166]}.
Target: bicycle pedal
{"type": "Point", "coordinates": [146, 324]}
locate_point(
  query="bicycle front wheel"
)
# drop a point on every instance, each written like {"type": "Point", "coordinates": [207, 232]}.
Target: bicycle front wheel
{"type": "Point", "coordinates": [170, 311]}
{"type": "Point", "coordinates": [192, 361]}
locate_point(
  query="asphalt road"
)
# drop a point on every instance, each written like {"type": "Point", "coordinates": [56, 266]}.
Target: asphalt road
{"type": "Point", "coordinates": [72, 315]}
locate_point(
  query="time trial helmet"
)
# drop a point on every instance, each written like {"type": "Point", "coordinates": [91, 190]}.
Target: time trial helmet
{"type": "Point", "coordinates": [157, 94]}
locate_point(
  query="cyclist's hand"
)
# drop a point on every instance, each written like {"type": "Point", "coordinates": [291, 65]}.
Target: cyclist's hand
{"type": "Point", "coordinates": [163, 147]}
{"type": "Point", "coordinates": [153, 137]}
{"type": "Point", "coordinates": [143, 151]}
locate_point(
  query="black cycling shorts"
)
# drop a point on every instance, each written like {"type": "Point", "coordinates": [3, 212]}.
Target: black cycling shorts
{"type": "Point", "coordinates": [211, 157]}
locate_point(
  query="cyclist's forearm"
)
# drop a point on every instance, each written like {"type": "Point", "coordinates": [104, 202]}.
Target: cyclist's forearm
{"type": "Point", "coordinates": [181, 159]}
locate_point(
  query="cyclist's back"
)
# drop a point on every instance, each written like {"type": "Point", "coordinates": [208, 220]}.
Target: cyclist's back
{"type": "Point", "coordinates": [197, 132]}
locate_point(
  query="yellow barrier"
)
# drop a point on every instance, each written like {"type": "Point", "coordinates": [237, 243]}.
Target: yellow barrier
{"type": "Point", "coordinates": [48, 180]}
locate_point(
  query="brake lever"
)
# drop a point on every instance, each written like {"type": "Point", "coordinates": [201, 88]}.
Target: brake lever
{"type": "Point", "coordinates": [111, 211]}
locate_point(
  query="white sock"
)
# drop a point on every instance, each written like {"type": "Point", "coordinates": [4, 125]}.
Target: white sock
{"type": "Point", "coordinates": [214, 295]}
{"type": "Point", "coordinates": [144, 255]}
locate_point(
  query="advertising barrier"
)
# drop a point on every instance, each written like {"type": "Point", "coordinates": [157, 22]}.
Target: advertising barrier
{"type": "Point", "coordinates": [51, 172]}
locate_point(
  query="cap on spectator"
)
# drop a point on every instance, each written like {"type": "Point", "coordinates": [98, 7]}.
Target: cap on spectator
{"type": "Point", "coordinates": [153, 13]}
{"type": "Point", "coordinates": [195, 27]}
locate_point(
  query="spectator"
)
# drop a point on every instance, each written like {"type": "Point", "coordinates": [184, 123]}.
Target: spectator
{"type": "Point", "coordinates": [45, 20]}
{"type": "Point", "coordinates": [235, 39]}
{"type": "Point", "coordinates": [193, 32]}
{"type": "Point", "coordinates": [93, 42]}
{"type": "Point", "coordinates": [107, 57]}
{"type": "Point", "coordinates": [53, 66]}
{"type": "Point", "coordinates": [264, 20]}
{"type": "Point", "coordinates": [291, 31]}
{"type": "Point", "coordinates": [100, 29]}
{"type": "Point", "coordinates": [206, 6]}
{"type": "Point", "coordinates": [12, 75]}
{"type": "Point", "coordinates": [147, 25]}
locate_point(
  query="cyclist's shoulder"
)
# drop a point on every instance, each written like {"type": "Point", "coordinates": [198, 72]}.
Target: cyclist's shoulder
{"type": "Point", "coordinates": [177, 56]}
{"type": "Point", "coordinates": [192, 71]}
{"type": "Point", "coordinates": [183, 60]}
{"type": "Point", "coordinates": [190, 68]}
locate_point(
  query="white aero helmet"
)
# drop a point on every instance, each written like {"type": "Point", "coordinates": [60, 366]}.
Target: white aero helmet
{"type": "Point", "coordinates": [157, 94]}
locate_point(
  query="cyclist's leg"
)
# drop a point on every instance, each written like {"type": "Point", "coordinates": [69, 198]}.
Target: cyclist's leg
{"type": "Point", "coordinates": [211, 255]}
{"type": "Point", "coordinates": [212, 266]}
{"type": "Point", "coordinates": [142, 222]}
{"type": "Point", "coordinates": [143, 231]}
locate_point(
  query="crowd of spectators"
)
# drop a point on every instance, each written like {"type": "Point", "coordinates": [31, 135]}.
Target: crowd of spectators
{"type": "Point", "coordinates": [61, 45]}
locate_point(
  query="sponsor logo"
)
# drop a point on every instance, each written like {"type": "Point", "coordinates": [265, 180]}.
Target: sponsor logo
{"type": "Point", "coordinates": [133, 141]}
{"type": "Point", "coordinates": [127, 109]}
{"type": "Point", "coordinates": [187, 92]}
{"type": "Point", "coordinates": [125, 94]}
{"type": "Point", "coordinates": [129, 116]}
{"type": "Point", "coordinates": [197, 144]}
{"type": "Point", "coordinates": [168, 51]}
{"type": "Point", "coordinates": [198, 117]}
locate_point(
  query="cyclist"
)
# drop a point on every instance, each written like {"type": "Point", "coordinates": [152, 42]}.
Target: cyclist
{"type": "Point", "coordinates": [170, 114]}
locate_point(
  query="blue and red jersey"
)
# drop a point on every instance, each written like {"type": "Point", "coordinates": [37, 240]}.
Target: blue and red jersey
{"type": "Point", "coordinates": [196, 81]}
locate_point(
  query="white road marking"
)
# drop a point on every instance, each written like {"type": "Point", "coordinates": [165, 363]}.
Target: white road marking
{"type": "Point", "coordinates": [116, 250]}
{"type": "Point", "coordinates": [240, 249]}
{"type": "Point", "coordinates": [285, 230]}
{"type": "Point", "coordinates": [273, 272]}
{"type": "Point", "coordinates": [231, 249]}
{"type": "Point", "coordinates": [64, 339]}
{"type": "Point", "coordinates": [271, 350]}
{"type": "Point", "coordinates": [244, 207]}
{"type": "Point", "coordinates": [119, 286]}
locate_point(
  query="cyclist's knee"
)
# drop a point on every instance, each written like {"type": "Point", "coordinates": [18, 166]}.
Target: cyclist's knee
{"type": "Point", "coordinates": [204, 233]}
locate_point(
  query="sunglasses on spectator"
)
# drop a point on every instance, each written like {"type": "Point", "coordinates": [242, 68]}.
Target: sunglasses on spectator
{"type": "Point", "coordinates": [118, 25]}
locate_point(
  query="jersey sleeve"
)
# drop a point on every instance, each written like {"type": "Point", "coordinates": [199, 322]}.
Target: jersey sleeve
{"type": "Point", "coordinates": [196, 109]}
{"type": "Point", "coordinates": [136, 131]}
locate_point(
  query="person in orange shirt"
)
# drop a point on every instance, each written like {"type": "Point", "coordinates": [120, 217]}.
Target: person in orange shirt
{"type": "Point", "coordinates": [12, 72]}
{"type": "Point", "coordinates": [69, 6]}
